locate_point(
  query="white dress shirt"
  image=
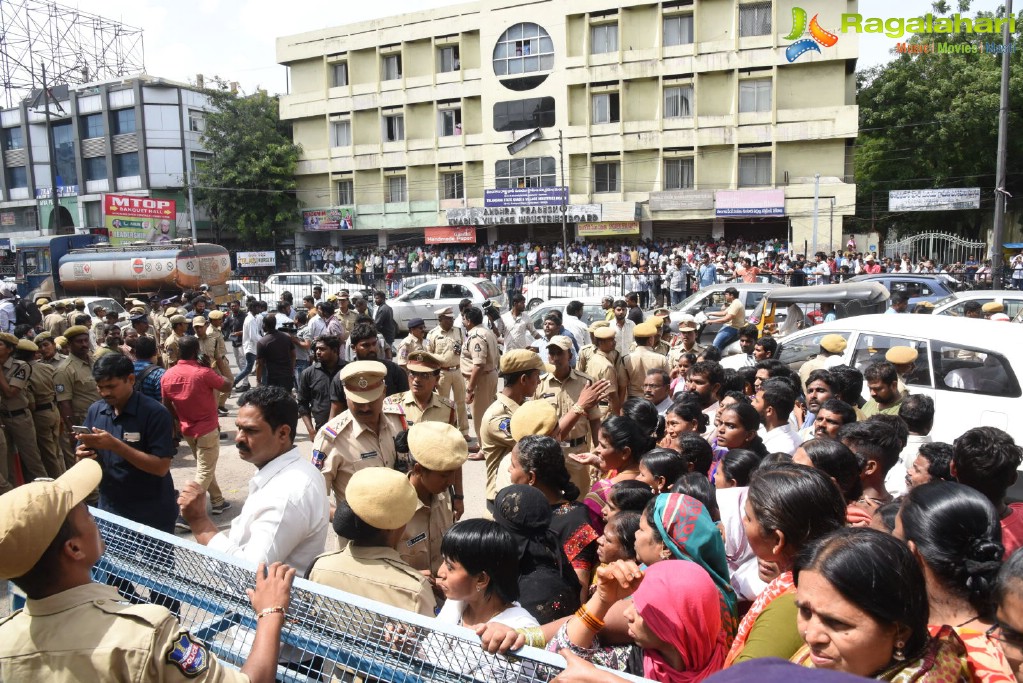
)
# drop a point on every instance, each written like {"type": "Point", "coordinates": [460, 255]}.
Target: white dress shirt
{"type": "Point", "coordinates": [739, 360]}
{"type": "Point", "coordinates": [284, 518]}
{"type": "Point", "coordinates": [895, 480]}
{"type": "Point", "coordinates": [519, 332]}
{"type": "Point", "coordinates": [251, 332]}
{"type": "Point", "coordinates": [623, 335]}
{"type": "Point", "coordinates": [578, 329]}
{"type": "Point", "coordinates": [783, 439]}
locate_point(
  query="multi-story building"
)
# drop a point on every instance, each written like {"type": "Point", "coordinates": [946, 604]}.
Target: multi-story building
{"type": "Point", "coordinates": [661, 118]}
{"type": "Point", "coordinates": [135, 136]}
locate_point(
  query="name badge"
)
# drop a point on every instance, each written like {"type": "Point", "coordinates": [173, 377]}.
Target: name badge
{"type": "Point", "coordinates": [367, 456]}
{"type": "Point", "coordinates": [132, 436]}
{"type": "Point", "coordinates": [549, 395]}
{"type": "Point", "coordinates": [416, 539]}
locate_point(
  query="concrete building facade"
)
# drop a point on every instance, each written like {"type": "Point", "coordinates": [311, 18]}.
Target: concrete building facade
{"type": "Point", "coordinates": [662, 119]}
{"type": "Point", "coordinates": [136, 136]}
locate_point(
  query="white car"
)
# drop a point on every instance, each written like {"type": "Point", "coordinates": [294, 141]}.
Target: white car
{"type": "Point", "coordinates": [301, 284]}
{"type": "Point", "coordinates": [243, 289]}
{"type": "Point", "coordinates": [953, 304]}
{"type": "Point", "coordinates": [591, 312]}
{"type": "Point", "coordinates": [570, 286]}
{"type": "Point", "coordinates": [424, 301]}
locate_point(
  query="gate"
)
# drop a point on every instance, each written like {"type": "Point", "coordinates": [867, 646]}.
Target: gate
{"type": "Point", "coordinates": [942, 248]}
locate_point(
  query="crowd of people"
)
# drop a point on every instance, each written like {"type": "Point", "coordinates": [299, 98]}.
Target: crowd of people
{"type": "Point", "coordinates": [651, 506]}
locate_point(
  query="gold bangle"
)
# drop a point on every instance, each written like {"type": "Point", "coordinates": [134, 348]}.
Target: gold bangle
{"type": "Point", "coordinates": [271, 610]}
{"type": "Point", "coordinates": [534, 636]}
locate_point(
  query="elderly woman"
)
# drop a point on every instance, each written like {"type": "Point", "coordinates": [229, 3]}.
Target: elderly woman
{"type": "Point", "coordinates": [862, 609]}
{"type": "Point", "coordinates": [954, 533]}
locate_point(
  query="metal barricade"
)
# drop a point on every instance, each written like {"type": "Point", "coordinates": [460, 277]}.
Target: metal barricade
{"type": "Point", "coordinates": [329, 636]}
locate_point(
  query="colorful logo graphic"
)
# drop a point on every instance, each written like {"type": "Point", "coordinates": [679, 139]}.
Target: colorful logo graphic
{"type": "Point", "coordinates": [818, 36]}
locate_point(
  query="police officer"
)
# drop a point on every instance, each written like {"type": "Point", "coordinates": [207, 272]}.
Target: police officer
{"type": "Point", "coordinates": [421, 403]}
{"type": "Point", "coordinates": [644, 358]}
{"type": "Point", "coordinates": [445, 342]}
{"type": "Point", "coordinates": [684, 341]}
{"type": "Point", "coordinates": [44, 407]}
{"type": "Point", "coordinates": [479, 363]}
{"type": "Point", "coordinates": [412, 342]}
{"type": "Point", "coordinates": [438, 451]}
{"type": "Point", "coordinates": [49, 544]}
{"type": "Point", "coordinates": [179, 324]}
{"type": "Point", "coordinates": [17, 418]}
{"type": "Point", "coordinates": [75, 387]}
{"type": "Point", "coordinates": [55, 322]}
{"type": "Point", "coordinates": [605, 363]}
{"type": "Point", "coordinates": [362, 436]}
{"type": "Point", "coordinates": [663, 322]}
{"type": "Point", "coordinates": [574, 397]}
{"type": "Point", "coordinates": [346, 314]}
{"type": "Point", "coordinates": [379, 505]}
{"type": "Point", "coordinates": [221, 363]}
{"type": "Point", "coordinates": [520, 370]}
{"type": "Point", "coordinates": [532, 417]}
{"type": "Point", "coordinates": [48, 349]}
{"type": "Point", "coordinates": [76, 309]}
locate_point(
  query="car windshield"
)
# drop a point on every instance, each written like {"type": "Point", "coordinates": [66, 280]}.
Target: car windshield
{"type": "Point", "coordinates": [107, 304]}
{"type": "Point", "coordinates": [684, 304]}
{"type": "Point", "coordinates": [489, 289]}
{"type": "Point", "coordinates": [945, 300]}
{"type": "Point", "coordinates": [331, 279]}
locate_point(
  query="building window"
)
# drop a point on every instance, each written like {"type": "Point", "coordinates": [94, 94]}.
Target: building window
{"type": "Point", "coordinates": [397, 188]}
{"type": "Point", "coordinates": [452, 185]}
{"type": "Point", "coordinates": [341, 133]}
{"type": "Point", "coordinates": [449, 59]}
{"type": "Point", "coordinates": [124, 121]}
{"type": "Point", "coordinates": [199, 160]}
{"type": "Point", "coordinates": [755, 95]}
{"type": "Point", "coordinates": [92, 126]}
{"type": "Point", "coordinates": [13, 139]}
{"type": "Point", "coordinates": [451, 121]}
{"type": "Point", "coordinates": [754, 169]}
{"type": "Point", "coordinates": [522, 49]}
{"type": "Point", "coordinates": [605, 176]}
{"type": "Point", "coordinates": [196, 121]}
{"type": "Point", "coordinates": [345, 193]}
{"type": "Point", "coordinates": [527, 172]}
{"type": "Point", "coordinates": [678, 30]}
{"type": "Point", "coordinates": [678, 174]}
{"type": "Point", "coordinates": [17, 177]}
{"type": "Point", "coordinates": [339, 74]}
{"type": "Point", "coordinates": [603, 39]}
{"type": "Point", "coordinates": [535, 112]}
{"type": "Point", "coordinates": [605, 108]}
{"type": "Point", "coordinates": [392, 67]}
{"type": "Point", "coordinates": [64, 147]}
{"type": "Point", "coordinates": [678, 101]}
{"type": "Point", "coordinates": [95, 168]}
{"type": "Point", "coordinates": [126, 165]}
{"type": "Point", "coordinates": [394, 128]}
{"type": "Point", "coordinates": [755, 19]}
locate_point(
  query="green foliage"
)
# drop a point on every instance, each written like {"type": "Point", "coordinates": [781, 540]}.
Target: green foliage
{"type": "Point", "coordinates": [930, 121]}
{"type": "Point", "coordinates": [248, 185]}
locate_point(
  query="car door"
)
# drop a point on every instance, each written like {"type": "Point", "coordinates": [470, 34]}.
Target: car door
{"type": "Point", "coordinates": [715, 303]}
{"type": "Point", "coordinates": [871, 347]}
{"type": "Point", "coordinates": [800, 347]}
{"type": "Point", "coordinates": [421, 302]}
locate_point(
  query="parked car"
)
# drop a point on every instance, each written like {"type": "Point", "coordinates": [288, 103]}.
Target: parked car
{"type": "Point", "coordinates": [424, 301]}
{"type": "Point", "coordinates": [569, 286]}
{"type": "Point", "coordinates": [917, 287]}
{"type": "Point", "coordinates": [953, 304]}
{"type": "Point", "coordinates": [801, 305]}
{"type": "Point", "coordinates": [591, 311]}
{"type": "Point", "coordinates": [301, 283]}
{"type": "Point", "coordinates": [242, 289]}
{"type": "Point", "coordinates": [712, 299]}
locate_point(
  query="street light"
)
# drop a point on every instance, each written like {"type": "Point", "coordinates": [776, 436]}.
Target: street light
{"type": "Point", "coordinates": [525, 141]}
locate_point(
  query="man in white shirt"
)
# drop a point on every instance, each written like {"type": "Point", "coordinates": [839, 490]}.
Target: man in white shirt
{"type": "Point", "coordinates": [623, 327]}
{"type": "Point", "coordinates": [252, 330]}
{"type": "Point", "coordinates": [775, 400]}
{"type": "Point", "coordinates": [748, 336]}
{"type": "Point", "coordinates": [572, 322]}
{"type": "Point", "coordinates": [285, 515]}
{"type": "Point", "coordinates": [917, 411]}
{"type": "Point", "coordinates": [519, 328]}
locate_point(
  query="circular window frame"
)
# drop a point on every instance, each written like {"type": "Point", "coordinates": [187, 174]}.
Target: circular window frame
{"type": "Point", "coordinates": [525, 60]}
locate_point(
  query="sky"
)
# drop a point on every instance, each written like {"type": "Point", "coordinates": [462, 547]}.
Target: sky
{"type": "Point", "coordinates": [235, 39]}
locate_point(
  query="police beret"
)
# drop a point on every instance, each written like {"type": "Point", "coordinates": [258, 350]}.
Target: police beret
{"type": "Point", "coordinates": [27, 345]}
{"type": "Point", "coordinates": [364, 380]}
{"type": "Point", "coordinates": [74, 331]}
{"type": "Point", "coordinates": [993, 307]}
{"type": "Point", "coordinates": [198, 321]}
{"type": "Point", "coordinates": [520, 360]}
{"type": "Point", "coordinates": [422, 361]}
{"type": "Point", "coordinates": [445, 312]}
{"type": "Point", "coordinates": [42, 301]}
{"type": "Point", "coordinates": [561, 341]}
{"type": "Point", "coordinates": [900, 355]}
{"type": "Point", "coordinates": [833, 343]}
{"type": "Point", "coordinates": [416, 322]}
{"type": "Point", "coordinates": [381, 497]}
{"type": "Point", "coordinates": [42, 336]}
{"type": "Point", "coordinates": [597, 324]}
{"type": "Point", "coordinates": [178, 320]}
{"type": "Point", "coordinates": [79, 302]}
{"type": "Point", "coordinates": [170, 311]}
{"type": "Point", "coordinates": [604, 333]}
{"type": "Point", "coordinates": [656, 320]}
{"type": "Point", "coordinates": [437, 446]}
{"type": "Point", "coordinates": [45, 308]}
{"type": "Point", "coordinates": [645, 329]}
{"type": "Point", "coordinates": [8, 338]}
{"type": "Point", "coordinates": [216, 315]}
{"type": "Point", "coordinates": [60, 342]}
{"type": "Point", "coordinates": [138, 318]}
{"type": "Point", "coordinates": [662, 313]}
{"type": "Point", "coordinates": [533, 417]}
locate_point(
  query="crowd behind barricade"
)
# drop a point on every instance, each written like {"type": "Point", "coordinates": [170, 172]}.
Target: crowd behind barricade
{"type": "Point", "coordinates": [652, 506]}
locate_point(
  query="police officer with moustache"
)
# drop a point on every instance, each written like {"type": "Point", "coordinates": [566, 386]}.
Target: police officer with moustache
{"type": "Point", "coordinates": [445, 342]}
{"type": "Point", "coordinates": [574, 397]}
{"type": "Point", "coordinates": [14, 409]}
{"type": "Point", "coordinates": [362, 436]}
{"type": "Point", "coordinates": [606, 364]}
{"type": "Point", "coordinates": [479, 363]}
{"type": "Point", "coordinates": [49, 544]}
{"type": "Point", "coordinates": [643, 359]}
{"type": "Point", "coordinates": [44, 408]}
{"type": "Point", "coordinates": [76, 389]}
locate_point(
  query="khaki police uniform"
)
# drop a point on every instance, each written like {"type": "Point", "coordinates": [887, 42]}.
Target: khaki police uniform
{"type": "Point", "coordinates": [582, 358]}
{"type": "Point", "coordinates": [405, 347]}
{"type": "Point", "coordinates": [662, 347]}
{"type": "Point", "coordinates": [90, 633]}
{"type": "Point", "coordinates": [637, 364]}
{"type": "Point", "coordinates": [447, 346]}
{"type": "Point", "coordinates": [347, 319]}
{"type": "Point", "coordinates": [54, 362]}
{"type": "Point", "coordinates": [344, 446]}
{"type": "Point", "coordinates": [378, 574]}
{"type": "Point", "coordinates": [678, 348]}
{"type": "Point", "coordinates": [563, 394]}
{"type": "Point", "coordinates": [480, 349]}
{"type": "Point", "coordinates": [18, 423]}
{"type": "Point", "coordinates": [495, 438]}
{"type": "Point", "coordinates": [218, 354]}
{"type": "Point", "coordinates": [74, 313]}
{"type": "Point", "coordinates": [46, 417]}
{"type": "Point", "coordinates": [170, 350]}
{"type": "Point", "coordinates": [55, 324]}
{"type": "Point", "coordinates": [437, 410]}
{"type": "Point", "coordinates": [601, 366]}
{"type": "Point", "coordinates": [420, 544]}
{"type": "Point", "coordinates": [73, 382]}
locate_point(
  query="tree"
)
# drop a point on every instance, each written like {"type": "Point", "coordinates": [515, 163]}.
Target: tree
{"type": "Point", "coordinates": [931, 120]}
{"type": "Point", "coordinates": [248, 185]}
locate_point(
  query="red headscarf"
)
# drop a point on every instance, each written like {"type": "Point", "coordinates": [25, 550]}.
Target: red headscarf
{"type": "Point", "coordinates": [688, 620]}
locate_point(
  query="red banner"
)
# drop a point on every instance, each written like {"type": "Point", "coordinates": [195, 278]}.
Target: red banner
{"type": "Point", "coordinates": [451, 235]}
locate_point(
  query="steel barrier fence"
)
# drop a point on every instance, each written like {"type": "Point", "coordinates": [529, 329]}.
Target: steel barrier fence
{"type": "Point", "coordinates": [329, 634]}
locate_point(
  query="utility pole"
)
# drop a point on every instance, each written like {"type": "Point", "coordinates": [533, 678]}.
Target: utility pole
{"type": "Point", "coordinates": [564, 208]}
{"type": "Point", "coordinates": [816, 203]}
{"type": "Point", "coordinates": [1001, 195]}
{"type": "Point", "coordinates": [52, 152]}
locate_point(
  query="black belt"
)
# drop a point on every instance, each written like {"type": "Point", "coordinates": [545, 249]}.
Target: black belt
{"type": "Point", "coordinates": [44, 406]}
{"type": "Point", "coordinates": [13, 413]}
{"type": "Point", "coordinates": [575, 442]}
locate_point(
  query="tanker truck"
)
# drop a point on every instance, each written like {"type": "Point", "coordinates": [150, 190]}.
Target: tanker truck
{"type": "Point", "coordinates": [62, 266]}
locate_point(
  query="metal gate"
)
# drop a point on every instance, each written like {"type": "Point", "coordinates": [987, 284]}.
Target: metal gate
{"type": "Point", "coordinates": [942, 248]}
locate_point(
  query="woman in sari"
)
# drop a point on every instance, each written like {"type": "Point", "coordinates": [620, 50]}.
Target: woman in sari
{"type": "Point", "coordinates": [620, 444]}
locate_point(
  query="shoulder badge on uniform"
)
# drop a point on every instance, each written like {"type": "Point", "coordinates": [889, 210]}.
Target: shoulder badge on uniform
{"type": "Point", "coordinates": [478, 347]}
{"type": "Point", "coordinates": [319, 457]}
{"type": "Point", "coordinates": [505, 426]}
{"type": "Point", "coordinates": [59, 388]}
{"type": "Point", "coordinates": [330, 432]}
{"type": "Point", "coordinates": [190, 656]}
{"type": "Point", "coordinates": [20, 372]}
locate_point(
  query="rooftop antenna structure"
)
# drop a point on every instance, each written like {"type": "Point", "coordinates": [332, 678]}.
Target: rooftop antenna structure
{"type": "Point", "coordinates": [75, 47]}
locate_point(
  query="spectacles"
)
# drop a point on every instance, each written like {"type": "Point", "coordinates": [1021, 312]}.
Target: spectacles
{"type": "Point", "coordinates": [422, 375]}
{"type": "Point", "coordinates": [1006, 635]}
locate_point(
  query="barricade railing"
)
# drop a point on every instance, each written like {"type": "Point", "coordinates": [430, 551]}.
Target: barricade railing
{"type": "Point", "coordinates": [329, 635]}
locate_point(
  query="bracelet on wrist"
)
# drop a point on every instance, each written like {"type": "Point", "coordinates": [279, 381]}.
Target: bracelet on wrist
{"type": "Point", "coordinates": [590, 621]}
{"type": "Point", "coordinates": [271, 610]}
{"type": "Point", "coordinates": [534, 636]}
